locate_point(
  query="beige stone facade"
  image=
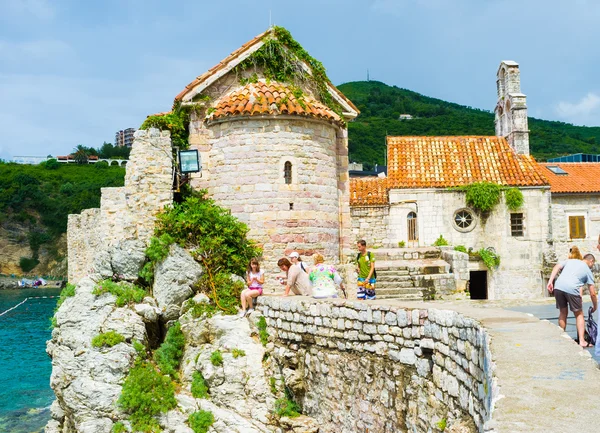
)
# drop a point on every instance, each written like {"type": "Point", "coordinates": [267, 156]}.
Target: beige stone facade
{"type": "Point", "coordinates": [126, 212]}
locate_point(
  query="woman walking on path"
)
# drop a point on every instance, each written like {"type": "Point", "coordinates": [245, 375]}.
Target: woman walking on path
{"type": "Point", "coordinates": [255, 279]}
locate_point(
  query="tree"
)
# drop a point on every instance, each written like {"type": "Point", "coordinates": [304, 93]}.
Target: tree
{"type": "Point", "coordinates": [81, 154]}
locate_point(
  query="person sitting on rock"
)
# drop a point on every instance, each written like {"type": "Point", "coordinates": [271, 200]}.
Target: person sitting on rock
{"type": "Point", "coordinates": [324, 279]}
{"type": "Point", "coordinates": [255, 279]}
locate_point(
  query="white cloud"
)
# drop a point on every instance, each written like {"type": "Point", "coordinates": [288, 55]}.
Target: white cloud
{"type": "Point", "coordinates": [585, 111]}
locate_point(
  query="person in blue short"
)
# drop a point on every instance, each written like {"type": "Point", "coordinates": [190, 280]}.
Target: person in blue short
{"type": "Point", "coordinates": [568, 291]}
{"type": "Point", "coordinates": [365, 268]}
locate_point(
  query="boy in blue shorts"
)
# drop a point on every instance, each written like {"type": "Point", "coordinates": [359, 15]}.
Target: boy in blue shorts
{"type": "Point", "coordinates": [365, 268]}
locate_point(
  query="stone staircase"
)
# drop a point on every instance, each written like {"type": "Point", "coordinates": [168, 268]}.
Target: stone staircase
{"type": "Point", "coordinates": [411, 273]}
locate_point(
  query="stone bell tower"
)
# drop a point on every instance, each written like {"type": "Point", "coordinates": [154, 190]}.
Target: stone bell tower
{"type": "Point", "coordinates": [511, 109]}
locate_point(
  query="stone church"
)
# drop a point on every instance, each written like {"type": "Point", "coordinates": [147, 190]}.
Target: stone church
{"type": "Point", "coordinates": [418, 200]}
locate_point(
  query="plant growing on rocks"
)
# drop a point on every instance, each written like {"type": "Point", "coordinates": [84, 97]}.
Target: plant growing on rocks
{"type": "Point", "coordinates": [216, 239]}
{"type": "Point", "coordinates": [440, 242]}
{"type": "Point", "coordinates": [157, 250]}
{"type": "Point", "coordinates": [490, 258]}
{"type": "Point", "coordinates": [286, 406]}
{"type": "Point", "coordinates": [146, 393]}
{"type": "Point", "coordinates": [216, 358]}
{"type": "Point", "coordinates": [201, 420]}
{"type": "Point", "coordinates": [262, 330]}
{"type": "Point", "coordinates": [168, 355]}
{"type": "Point", "coordinates": [237, 353]}
{"type": "Point", "coordinates": [199, 385]}
{"type": "Point", "coordinates": [118, 428]}
{"type": "Point", "coordinates": [126, 293]}
{"type": "Point", "coordinates": [460, 248]}
{"type": "Point", "coordinates": [107, 339]}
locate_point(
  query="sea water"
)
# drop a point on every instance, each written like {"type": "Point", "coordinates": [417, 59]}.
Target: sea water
{"type": "Point", "coordinates": [25, 394]}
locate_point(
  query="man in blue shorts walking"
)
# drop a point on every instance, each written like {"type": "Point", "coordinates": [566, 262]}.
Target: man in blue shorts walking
{"type": "Point", "coordinates": [568, 291]}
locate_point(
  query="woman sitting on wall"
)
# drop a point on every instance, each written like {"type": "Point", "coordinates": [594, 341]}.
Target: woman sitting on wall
{"type": "Point", "coordinates": [255, 279]}
{"type": "Point", "coordinates": [324, 278]}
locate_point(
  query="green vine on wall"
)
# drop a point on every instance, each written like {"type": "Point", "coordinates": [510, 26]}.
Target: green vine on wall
{"type": "Point", "coordinates": [281, 58]}
{"type": "Point", "coordinates": [484, 196]}
{"type": "Point", "coordinates": [176, 121]}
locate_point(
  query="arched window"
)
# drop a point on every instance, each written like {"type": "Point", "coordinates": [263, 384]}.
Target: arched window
{"type": "Point", "coordinates": [287, 172]}
{"type": "Point", "coordinates": [411, 220]}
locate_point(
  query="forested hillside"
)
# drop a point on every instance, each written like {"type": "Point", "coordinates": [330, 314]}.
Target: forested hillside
{"type": "Point", "coordinates": [35, 200]}
{"type": "Point", "coordinates": [381, 105]}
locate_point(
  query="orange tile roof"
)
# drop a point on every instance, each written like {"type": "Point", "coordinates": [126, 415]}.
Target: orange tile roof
{"type": "Point", "coordinates": [236, 57]}
{"type": "Point", "coordinates": [256, 99]}
{"type": "Point", "coordinates": [368, 191]}
{"type": "Point", "coordinates": [581, 177]}
{"type": "Point", "coordinates": [162, 113]}
{"type": "Point", "coordinates": [441, 162]}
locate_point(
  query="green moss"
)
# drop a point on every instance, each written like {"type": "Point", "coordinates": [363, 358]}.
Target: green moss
{"type": "Point", "coordinates": [216, 358]}
{"type": "Point", "coordinates": [201, 421]}
{"type": "Point", "coordinates": [168, 355]}
{"type": "Point", "coordinates": [107, 339]}
{"type": "Point", "coordinates": [199, 385]}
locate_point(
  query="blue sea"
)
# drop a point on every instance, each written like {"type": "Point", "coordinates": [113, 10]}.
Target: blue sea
{"type": "Point", "coordinates": [25, 394]}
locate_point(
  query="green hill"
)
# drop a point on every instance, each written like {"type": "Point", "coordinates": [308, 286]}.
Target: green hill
{"type": "Point", "coordinates": [35, 201]}
{"type": "Point", "coordinates": [381, 105]}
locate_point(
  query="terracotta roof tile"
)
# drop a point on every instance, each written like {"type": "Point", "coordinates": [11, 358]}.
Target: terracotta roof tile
{"type": "Point", "coordinates": [368, 191]}
{"type": "Point", "coordinates": [252, 100]}
{"type": "Point", "coordinates": [583, 177]}
{"type": "Point", "coordinates": [441, 162]}
{"type": "Point", "coordinates": [231, 59]}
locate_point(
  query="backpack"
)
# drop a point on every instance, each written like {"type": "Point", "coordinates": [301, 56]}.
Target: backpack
{"type": "Point", "coordinates": [591, 328]}
{"type": "Point", "coordinates": [369, 256]}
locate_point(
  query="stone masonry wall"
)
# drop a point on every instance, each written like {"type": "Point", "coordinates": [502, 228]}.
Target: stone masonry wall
{"type": "Point", "coordinates": [587, 205]}
{"type": "Point", "coordinates": [371, 224]}
{"type": "Point", "coordinates": [521, 257]}
{"type": "Point", "coordinates": [357, 367]}
{"type": "Point", "coordinates": [126, 212]}
{"type": "Point", "coordinates": [83, 240]}
{"type": "Point", "coordinates": [247, 158]}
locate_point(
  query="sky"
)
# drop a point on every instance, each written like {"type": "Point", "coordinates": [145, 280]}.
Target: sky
{"type": "Point", "coordinates": [75, 72]}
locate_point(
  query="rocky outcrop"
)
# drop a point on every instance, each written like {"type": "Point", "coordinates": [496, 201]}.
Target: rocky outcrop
{"type": "Point", "coordinates": [173, 280]}
{"type": "Point", "coordinates": [87, 380]}
{"type": "Point", "coordinates": [123, 260]}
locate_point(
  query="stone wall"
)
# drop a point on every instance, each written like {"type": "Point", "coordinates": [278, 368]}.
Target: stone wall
{"type": "Point", "coordinates": [380, 368]}
{"type": "Point", "coordinates": [587, 205]}
{"type": "Point", "coordinates": [521, 257]}
{"type": "Point", "coordinates": [459, 266]}
{"type": "Point", "coordinates": [371, 224]}
{"type": "Point", "coordinates": [126, 212]}
{"type": "Point", "coordinates": [244, 161]}
{"type": "Point", "coordinates": [83, 240]}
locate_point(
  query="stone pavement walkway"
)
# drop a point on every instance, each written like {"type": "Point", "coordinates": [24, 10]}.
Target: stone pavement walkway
{"type": "Point", "coordinates": [547, 382]}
